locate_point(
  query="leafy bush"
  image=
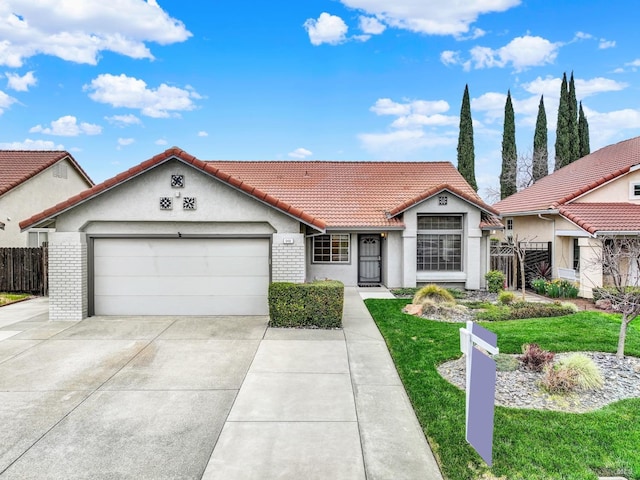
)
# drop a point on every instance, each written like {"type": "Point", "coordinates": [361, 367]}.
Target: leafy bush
{"type": "Point", "coordinates": [534, 358]}
{"type": "Point", "coordinates": [317, 304]}
{"type": "Point", "coordinates": [560, 288]}
{"type": "Point", "coordinates": [495, 280]}
{"type": "Point", "coordinates": [539, 285]}
{"type": "Point", "coordinates": [588, 377]}
{"type": "Point", "coordinates": [434, 293]}
{"type": "Point", "coordinates": [559, 380]}
{"type": "Point", "coordinates": [506, 298]}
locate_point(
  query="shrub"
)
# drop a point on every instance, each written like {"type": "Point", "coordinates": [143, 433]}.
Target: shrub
{"type": "Point", "coordinates": [317, 304]}
{"type": "Point", "coordinates": [405, 292]}
{"type": "Point", "coordinates": [495, 280]}
{"type": "Point", "coordinates": [506, 363]}
{"type": "Point", "coordinates": [506, 298]}
{"type": "Point", "coordinates": [539, 285]}
{"type": "Point", "coordinates": [588, 377]}
{"type": "Point", "coordinates": [534, 358]}
{"type": "Point", "coordinates": [559, 380]}
{"type": "Point", "coordinates": [444, 310]}
{"type": "Point", "coordinates": [457, 293]}
{"type": "Point", "coordinates": [519, 310]}
{"type": "Point", "coordinates": [434, 293]}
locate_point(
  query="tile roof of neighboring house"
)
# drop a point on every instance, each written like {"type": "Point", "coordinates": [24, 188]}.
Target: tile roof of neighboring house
{"type": "Point", "coordinates": [320, 194]}
{"type": "Point", "coordinates": [603, 217]}
{"type": "Point", "coordinates": [17, 166]}
{"type": "Point", "coordinates": [575, 179]}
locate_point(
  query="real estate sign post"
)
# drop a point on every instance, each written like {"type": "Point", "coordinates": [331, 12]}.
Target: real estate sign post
{"type": "Point", "coordinates": [481, 387]}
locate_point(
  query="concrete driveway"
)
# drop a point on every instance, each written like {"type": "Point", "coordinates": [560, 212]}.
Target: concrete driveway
{"type": "Point", "coordinates": [212, 397]}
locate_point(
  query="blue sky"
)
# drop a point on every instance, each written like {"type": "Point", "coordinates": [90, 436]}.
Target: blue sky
{"type": "Point", "coordinates": [117, 82]}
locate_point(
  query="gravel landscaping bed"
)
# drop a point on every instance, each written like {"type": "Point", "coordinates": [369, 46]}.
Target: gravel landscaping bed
{"type": "Point", "coordinates": [519, 388]}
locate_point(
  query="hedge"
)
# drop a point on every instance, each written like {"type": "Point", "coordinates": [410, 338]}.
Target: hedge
{"type": "Point", "coordinates": [318, 304]}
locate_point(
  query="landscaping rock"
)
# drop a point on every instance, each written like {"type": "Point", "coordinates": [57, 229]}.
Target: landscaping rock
{"type": "Point", "coordinates": [520, 389]}
{"type": "Point", "coordinates": [603, 304]}
{"type": "Point", "coordinates": [413, 309]}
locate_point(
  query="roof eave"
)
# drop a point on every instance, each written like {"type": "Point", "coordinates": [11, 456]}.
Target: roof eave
{"type": "Point", "coordinates": [527, 213]}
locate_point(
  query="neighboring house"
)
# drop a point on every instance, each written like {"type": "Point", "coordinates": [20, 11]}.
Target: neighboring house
{"type": "Point", "coordinates": [576, 207]}
{"type": "Point", "coordinates": [177, 235]}
{"type": "Point", "coordinates": [31, 181]}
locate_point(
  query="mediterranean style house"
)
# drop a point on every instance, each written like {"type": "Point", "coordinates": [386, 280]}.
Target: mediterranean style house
{"type": "Point", "coordinates": [29, 182]}
{"type": "Point", "coordinates": [177, 235]}
{"type": "Point", "coordinates": [576, 208]}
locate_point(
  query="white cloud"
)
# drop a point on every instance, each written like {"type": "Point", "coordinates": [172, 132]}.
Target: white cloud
{"type": "Point", "coordinates": [606, 44]}
{"type": "Point", "coordinates": [386, 106]}
{"type": "Point", "coordinates": [607, 127]}
{"type": "Point", "coordinates": [5, 101]}
{"type": "Point", "coordinates": [582, 36]}
{"type": "Point", "coordinates": [521, 53]}
{"type": "Point", "coordinates": [68, 126]}
{"type": "Point", "coordinates": [327, 28]}
{"type": "Point", "coordinates": [550, 86]}
{"type": "Point", "coordinates": [29, 144]}
{"type": "Point", "coordinates": [371, 25]}
{"type": "Point", "coordinates": [415, 120]}
{"type": "Point", "coordinates": [130, 92]}
{"type": "Point", "coordinates": [79, 31]}
{"type": "Point", "coordinates": [161, 141]}
{"type": "Point", "coordinates": [404, 140]}
{"type": "Point", "coordinates": [123, 142]}
{"type": "Point", "coordinates": [434, 17]}
{"type": "Point", "coordinates": [300, 153]}
{"type": "Point", "coordinates": [202, 133]}
{"type": "Point", "coordinates": [123, 120]}
{"type": "Point", "coordinates": [21, 83]}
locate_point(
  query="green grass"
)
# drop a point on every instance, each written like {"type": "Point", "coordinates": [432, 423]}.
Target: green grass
{"type": "Point", "coordinates": [528, 444]}
{"type": "Point", "coordinates": [6, 298]}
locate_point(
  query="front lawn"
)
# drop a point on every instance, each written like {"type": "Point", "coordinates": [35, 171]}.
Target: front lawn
{"type": "Point", "coordinates": [528, 444]}
{"type": "Point", "coordinates": [6, 298]}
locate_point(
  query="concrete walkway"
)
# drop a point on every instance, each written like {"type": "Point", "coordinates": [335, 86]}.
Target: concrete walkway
{"type": "Point", "coordinates": [211, 398]}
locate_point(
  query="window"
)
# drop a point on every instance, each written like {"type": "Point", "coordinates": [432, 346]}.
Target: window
{"type": "Point", "coordinates": [36, 239]}
{"type": "Point", "coordinates": [509, 224]}
{"type": "Point", "coordinates": [439, 243]}
{"type": "Point", "coordinates": [576, 255]}
{"type": "Point", "coordinates": [331, 248]}
{"type": "Point", "coordinates": [634, 191]}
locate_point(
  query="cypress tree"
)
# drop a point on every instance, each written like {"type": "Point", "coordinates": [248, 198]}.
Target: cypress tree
{"type": "Point", "coordinates": [573, 122]}
{"type": "Point", "coordinates": [583, 133]}
{"type": "Point", "coordinates": [540, 154]}
{"type": "Point", "coordinates": [508, 184]}
{"type": "Point", "coordinates": [466, 155]}
{"type": "Point", "coordinates": [563, 138]}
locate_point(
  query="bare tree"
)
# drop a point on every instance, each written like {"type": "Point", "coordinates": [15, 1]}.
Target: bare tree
{"type": "Point", "coordinates": [620, 262]}
{"type": "Point", "coordinates": [523, 173]}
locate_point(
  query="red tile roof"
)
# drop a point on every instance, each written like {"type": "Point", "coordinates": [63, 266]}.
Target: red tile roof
{"type": "Point", "coordinates": [18, 166]}
{"type": "Point", "coordinates": [575, 179]}
{"type": "Point", "coordinates": [320, 194]}
{"type": "Point", "coordinates": [603, 217]}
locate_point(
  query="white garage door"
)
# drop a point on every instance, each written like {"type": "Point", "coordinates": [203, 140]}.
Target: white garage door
{"type": "Point", "coordinates": [181, 276]}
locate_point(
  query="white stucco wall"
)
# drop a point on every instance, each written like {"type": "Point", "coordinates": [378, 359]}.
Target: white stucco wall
{"type": "Point", "coordinates": [472, 237]}
{"type": "Point", "coordinates": [347, 273]}
{"type": "Point", "coordinates": [33, 196]}
{"type": "Point", "coordinates": [133, 208]}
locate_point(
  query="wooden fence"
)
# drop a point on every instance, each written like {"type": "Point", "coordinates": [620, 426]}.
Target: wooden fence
{"type": "Point", "coordinates": [24, 270]}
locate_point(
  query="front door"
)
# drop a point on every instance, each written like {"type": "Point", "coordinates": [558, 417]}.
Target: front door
{"type": "Point", "coordinates": [369, 259]}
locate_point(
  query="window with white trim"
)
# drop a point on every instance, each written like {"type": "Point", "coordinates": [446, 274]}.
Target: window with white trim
{"type": "Point", "coordinates": [634, 191]}
{"type": "Point", "coordinates": [333, 248]}
{"type": "Point", "coordinates": [439, 243]}
{"type": "Point", "coordinates": [37, 238]}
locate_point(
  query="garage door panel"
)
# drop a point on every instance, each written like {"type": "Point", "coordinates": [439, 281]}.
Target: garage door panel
{"type": "Point", "coordinates": [180, 276]}
{"type": "Point", "coordinates": [182, 247]}
{"type": "Point", "coordinates": [127, 286]}
{"type": "Point", "coordinates": [180, 266]}
{"type": "Point", "coordinates": [162, 305]}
